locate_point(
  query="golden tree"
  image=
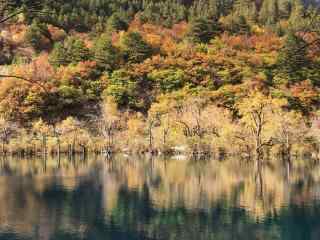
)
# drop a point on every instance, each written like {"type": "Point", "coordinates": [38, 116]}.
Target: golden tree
{"type": "Point", "coordinates": [257, 111]}
{"type": "Point", "coordinates": [41, 131]}
{"type": "Point", "coordinates": [110, 121]}
{"type": "Point", "coordinates": [6, 131]}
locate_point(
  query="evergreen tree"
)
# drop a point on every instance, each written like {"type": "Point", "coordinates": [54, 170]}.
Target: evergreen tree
{"type": "Point", "coordinates": [34, 37]}
{"type": "Point", "coordinates": [76, 50]}
{"type": "Point", "coordinates": [203, 30]}
{"type": "Point", "coordinates": [293, 60]}
{"type": "Point", "coordinates": [296, 19]}
{"type": "Point", "coordinates": [269, 13]}
{"type": "Point", "coordinates": [116, 23]}
{"type": "Point", "coordinates": [36, 33]}
{"type": "Point", "coordinates": [206, 9]}
{"type": "Point", "coordinates": [285, 8]}
{"type": "Point", "coordinates": [73, 50]}
{"type": "Point", "coordinates": [242, 25]}
{"type": "Point", "coordinates": [246, 9]}
{"type": "Point", "coordinates": [278, 29]}
{"type": "Point", "coordinates": [58, 56]}
{"type": "Point", "coordinates": [123, 88]}
{"type": "Point", "coordinates": [135, 48]}
{"type": "Point", "coordinates": [105, 54]}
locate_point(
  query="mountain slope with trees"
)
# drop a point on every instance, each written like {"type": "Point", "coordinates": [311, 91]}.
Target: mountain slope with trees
{"type": "Point", "coordinates": [147, 59]}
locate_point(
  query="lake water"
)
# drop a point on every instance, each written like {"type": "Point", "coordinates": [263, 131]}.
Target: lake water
{"type": "Point", "coordinates": [140, 198]}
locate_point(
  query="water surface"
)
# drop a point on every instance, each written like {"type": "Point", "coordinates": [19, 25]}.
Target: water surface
{"type": "Point", "coordinates": [140, 198]}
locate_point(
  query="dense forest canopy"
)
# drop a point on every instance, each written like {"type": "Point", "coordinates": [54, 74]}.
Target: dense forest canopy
{"type": "Point", "coordinates": [82, 15]}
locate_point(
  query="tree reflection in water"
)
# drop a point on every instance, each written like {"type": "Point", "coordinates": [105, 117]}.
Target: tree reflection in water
{"type": "Point", "coordinates": [158, 199]}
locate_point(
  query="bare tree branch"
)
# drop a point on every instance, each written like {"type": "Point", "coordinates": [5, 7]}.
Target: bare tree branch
{"type": "Point", "coordinates": [43, 87]}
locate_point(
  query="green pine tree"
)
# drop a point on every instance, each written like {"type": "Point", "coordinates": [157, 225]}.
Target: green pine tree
{"type": "Point", "coordinates": [203, 30]}
{"type": "Point", "coordinates": [269, 12]}
{"type": "Point", "coordinates": [296, 19]}
{"type": "Point", "coordinates": [293, 60]}
{"type": "Point", "coordinates": [116, 23]}
{"type": "Point", "coordinates": [105, 54]}
{"type": "Point", "coordinates": [58, 56]}
{"type": "Point", "coordinates": [135, 48]}
{"type": "Point", "coordinates": [76, 50]}
{"type": "Point", "coordinates": [35, 35]}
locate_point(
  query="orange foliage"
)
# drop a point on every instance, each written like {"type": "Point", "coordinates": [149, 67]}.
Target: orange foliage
{"type": "Point", "coordinates": [15, 33]}
{"type": "Point", "coordinates": [38, 73]}
{"type": "Point", "coordinates": [57, 34]}
{"type": "Point", "coordinates": [305, 92]}
{"type": "Point", "coordinates": [159, 36]}
{"type": "Point", "coordinates": [267, 42]}
{"type": "Point", "coordinates": [84, 37]}
{"type": "Point", "coordinates": [74, 74]}
{"type": "Point", "coordinates": [313, 40]}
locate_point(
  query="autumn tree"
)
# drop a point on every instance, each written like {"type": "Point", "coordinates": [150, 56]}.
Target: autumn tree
{"type": "Point", "coordinates": [109, 122]}
{"type": "Point", "coordinates": [315, 132]}
{"type": "Point", "coordinates": [69, 129]}
{"type": "Point", "coordinates": [57, 134]}
{"type": "Point", "coordinates": [42, 131]}
{"type": "Point", "coordinates": [291, 129]}
{"type": "Point", "coordinates": [152, 121]}
{"type": "Point", "coordinates": [79, 88]}
{"type": "Point", "coordinates": [71, 132]}
{"type": "Point", "coordinates": [6, 131]}
{"type": "Point", "coordinates": [9, 9]}
{"type": "Point", "coordinates": [161, 115]}
{"type": "Point", "coordinates": [84, 140]}
{"type": "Point", "coordinates": [197, 118]}
{"type": "Point", "coordinates": [28, 91]}
{"type": "Point", "coordinates": [136, 133]}
{"type": "Point", "coordinates": [256, 112]}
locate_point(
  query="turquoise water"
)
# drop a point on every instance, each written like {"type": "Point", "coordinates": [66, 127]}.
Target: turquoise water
{"type": "Point", "coordinates": [140, 198]}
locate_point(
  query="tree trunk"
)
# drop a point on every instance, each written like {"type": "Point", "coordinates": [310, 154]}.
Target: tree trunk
{"type": "Point", "coordinates": [84, 151]}
{"type": "Point", "coordinates": [59, 150]}
{"type": "Point", "coordinates": [73, 147]}
{"type": "Point", "coordinates": [69, 151]}
{"type": "Point", "coordinates": [259, 180]}
{"type": "Point", "coordinates": [3, 147]}
{"type": "Point", "coordinates": [150, 139]}
{"type": "Point", "coordinates": [288, 148]}
{"type": "Point", "coordinates": [164, 140]}
{"type": "Point", "coordinates": [44, 146]}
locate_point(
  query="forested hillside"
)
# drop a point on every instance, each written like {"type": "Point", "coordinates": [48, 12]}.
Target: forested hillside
{"type": "Point", "coordinates": [144, 65]}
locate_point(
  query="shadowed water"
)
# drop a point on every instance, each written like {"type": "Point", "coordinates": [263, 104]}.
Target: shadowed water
{"type": "Point", "coordinates": [139, 198]}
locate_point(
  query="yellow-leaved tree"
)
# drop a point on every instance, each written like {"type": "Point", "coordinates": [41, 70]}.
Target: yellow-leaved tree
{"type": "Point", "coordinates": [110, 122]}
{"type": "Point", "coordinates": [6, 131]}
{"type": "Point", "coordinates": [291, 131]}
{"type": "Point", "coordinates": [257, 120]}
{"type": "Point", "coordinates": [70, 130]}
{"type": "Point", "coordinates": [41, 131]}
